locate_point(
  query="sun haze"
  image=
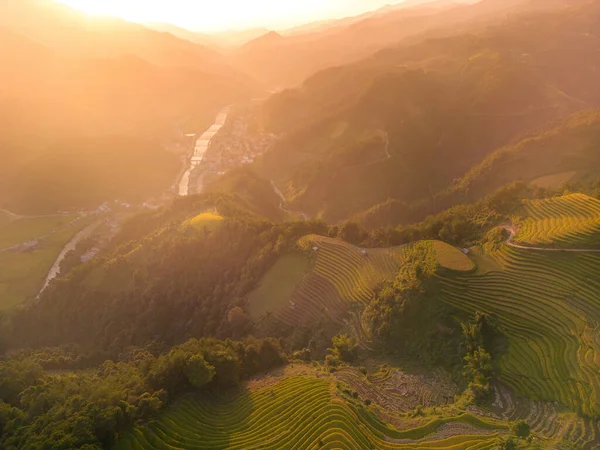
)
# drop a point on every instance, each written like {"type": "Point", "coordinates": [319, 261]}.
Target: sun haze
{"type": "Point", "coordinates": [210, 16]}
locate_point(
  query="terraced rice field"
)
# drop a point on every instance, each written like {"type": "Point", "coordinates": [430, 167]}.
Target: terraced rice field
{"type": "Point", "coordinates": [549, 310]}
{"type": "Point", "coordinates": [400, 392]}
{"type": "Point", "coordinates": [546, 419]}
{"type": "Point", "coordinates": [571, 221]}
{"type": "Point", "coordinates": [341, 275]}
{"type": "Point", "coordinates": [297, 413]}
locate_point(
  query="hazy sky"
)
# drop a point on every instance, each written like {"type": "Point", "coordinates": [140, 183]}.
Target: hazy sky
{"type": "Point", "coordinates": [217, 15]}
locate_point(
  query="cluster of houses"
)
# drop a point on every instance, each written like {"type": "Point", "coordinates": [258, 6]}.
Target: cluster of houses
{"type": "Point", "coordinates": [235, 147]}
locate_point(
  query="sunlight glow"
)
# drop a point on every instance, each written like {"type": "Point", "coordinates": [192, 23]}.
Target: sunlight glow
{"type": "Point", "coordinates": [217, 15]}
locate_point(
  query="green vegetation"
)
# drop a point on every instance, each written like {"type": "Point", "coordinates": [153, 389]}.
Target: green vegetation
{"type": "Point", "coordinates": [414, 311]}
{"type": "Point", "coordinates": [555, 181]}
{"type": "Point", "coordinates": [205, 221]}
{"type": "Point", "coordinates": [15, 230]}
{"type": "Point", "coordinates": [479, 336]}
{"type": "Point", "coordinates": [256, 193]}
{"type": "Point", "coordinates": [50, 399]}
{"type": "Point", "coordinates": [452, 258]}
{"type": "Point", "coordinates": [521, 429]}
{"type": "Point", "coordinates": [33, 247]}
{"type": "Point", "coordinates": [562, 148]}
{"type": "Point", "coordinates": [298, 412]}
{"type": "Point", "coordinates": [342, 275]}
{"type": "Point", "coordinates": [277, 286]}
{"type": "Point", "coordinates": [547, 310]}
{"type": "Point", "coordinates": [161, 277]}
{"type": "Point", "coordinates": [405, 320]}
{"type": "Point", "coordinates": [571, 221]}
{"type": "Point", "coordinates": [344, 350]}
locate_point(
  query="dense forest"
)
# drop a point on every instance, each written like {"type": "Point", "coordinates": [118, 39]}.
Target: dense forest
{"type": "Point", "coordinates": [89, 407]}
{"type": "Point", "coordinates": [163, 279]}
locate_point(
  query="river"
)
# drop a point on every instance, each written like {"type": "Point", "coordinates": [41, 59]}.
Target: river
{"type": "Point", "coordinates": [202, 144]}
{"type": "Point", "coordinates": [55, 269]}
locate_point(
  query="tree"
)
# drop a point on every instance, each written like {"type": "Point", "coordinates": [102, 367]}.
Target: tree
{"type": "Point", "coordinates": [227, 367]}
{"type": "Point", "coordinates": [237, 317]}
{"type": "Point", "coordinates": [344, 348]}
{"type": "Point", "coordinates": [506, 443]}
{"type": "Point", "coordinates": [520, 429]}
{"type": "Point", "coordinates": [351, 232]}
{"type": "Point", "coordinates": [198, 371]}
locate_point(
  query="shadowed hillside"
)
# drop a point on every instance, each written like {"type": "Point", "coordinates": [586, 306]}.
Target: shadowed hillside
{"type": "Point", "coordinates": [361, 134]}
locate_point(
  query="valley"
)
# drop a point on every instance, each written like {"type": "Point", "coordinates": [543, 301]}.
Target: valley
{"type": "Point", "coordinates": [345, 227]}
{"type": "Point", "coordinates": [32, 249]}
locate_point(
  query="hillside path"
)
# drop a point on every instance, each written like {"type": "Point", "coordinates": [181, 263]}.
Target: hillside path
{"type": "Point", "coordinates": [512, 230]}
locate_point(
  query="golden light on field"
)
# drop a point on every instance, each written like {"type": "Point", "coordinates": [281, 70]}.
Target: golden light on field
{"type": "Point", "coordinates": [215, 15]}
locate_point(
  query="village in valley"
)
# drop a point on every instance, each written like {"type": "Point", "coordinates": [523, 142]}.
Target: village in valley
{"type": "Point", "coordinates": [240, 141]}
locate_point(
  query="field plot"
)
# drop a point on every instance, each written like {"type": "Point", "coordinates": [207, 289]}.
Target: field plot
{"type": "Point", "coordinates": [297, 413]}
{"type": "Point", "coordinates": [205, 221]}
{"type": "Point", "coordinates": [554, 181]}
{"type": "Point", "coordinates": [401, 392]}
{"type": "Point", "coordinates": [300, 288]}
{"type": "Point", "coordinates": [15, 231]}
{"type": "Point", "coordinates": [452, 258]}
{"type": "Point", "coordinates": [29, 247]}
{"type": "Point", "coordinates": [341, 274]}
{"type": "Point", "coordinates": [549, 310]}
{"type": "Point", "coordinates": [571, 221]}
{"type": "Point", "coordinates": [278, 285]}
{"type": "Point", "coordinates": [546, 419]}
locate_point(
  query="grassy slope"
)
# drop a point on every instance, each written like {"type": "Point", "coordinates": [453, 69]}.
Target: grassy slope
{"type": "Point", "coordinates": [278, 285]}
{"type": "Point", "coordinates": [554, 181]}
{"type": "Point", "coordinates": [452, 258]}
{"type": "Point", "coordinates": [22, 273]}
{"type": "Point", "coordinates": [297, 413]}
{"type": "Point", "coordinates": [14, 232]}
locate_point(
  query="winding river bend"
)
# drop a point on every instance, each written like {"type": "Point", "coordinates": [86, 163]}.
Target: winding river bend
{"type": "Point", "coordinates": [200, 149]}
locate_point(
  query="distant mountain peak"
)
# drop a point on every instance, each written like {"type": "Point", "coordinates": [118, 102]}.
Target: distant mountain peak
{"type": "Point", "coordinates": [272, 37]}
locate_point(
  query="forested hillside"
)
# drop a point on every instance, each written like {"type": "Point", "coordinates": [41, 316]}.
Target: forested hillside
{"type": "Point", "coordinates": [570, 147]}
{"type": "Point", "coordinates": [358, 135]}
{"type": "Point", "coordinates": [165, 278]}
